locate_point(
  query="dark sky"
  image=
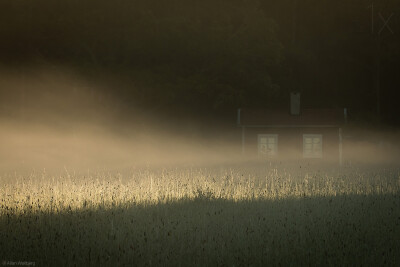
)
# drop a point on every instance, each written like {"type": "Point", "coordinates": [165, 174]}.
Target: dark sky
{"type": "Point", "coordinates": [204, 59]}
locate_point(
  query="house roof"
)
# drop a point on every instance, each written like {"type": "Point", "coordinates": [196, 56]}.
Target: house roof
{"type": "Point", "coordinates": [282, 118]}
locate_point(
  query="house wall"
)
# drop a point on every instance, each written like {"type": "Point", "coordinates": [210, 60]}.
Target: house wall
{"type": "Point", "coordinates": [290, 142]}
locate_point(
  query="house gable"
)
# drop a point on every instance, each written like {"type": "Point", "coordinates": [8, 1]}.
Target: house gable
{"type": "Point", "coordinates": [313, 134]}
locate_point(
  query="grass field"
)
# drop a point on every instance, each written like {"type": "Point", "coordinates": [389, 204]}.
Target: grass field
{"type": "Point", "coordinates": [250, 214]}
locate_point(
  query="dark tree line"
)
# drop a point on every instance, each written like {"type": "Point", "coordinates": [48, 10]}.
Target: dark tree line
{"type": "Point", "coordinates": [214, 56]}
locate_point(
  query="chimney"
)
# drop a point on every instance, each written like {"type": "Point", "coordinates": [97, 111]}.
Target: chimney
{"type": "Point", "coordinates": [295, 103]}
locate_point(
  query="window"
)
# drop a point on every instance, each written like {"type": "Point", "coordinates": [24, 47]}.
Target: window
{"type": "Point", "coordinates": [312, 145]}
{"type": "Point", "coordinates": [267, 145]}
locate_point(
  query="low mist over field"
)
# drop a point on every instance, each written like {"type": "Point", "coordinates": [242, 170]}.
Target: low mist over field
{"type": "Point", "coordinates": [53, 118]}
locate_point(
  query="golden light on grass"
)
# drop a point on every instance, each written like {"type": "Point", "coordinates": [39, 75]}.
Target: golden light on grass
{"type": "Point", "coordinates": [203, 216]}
{"type": "Point", "coordinates": [68, 192]}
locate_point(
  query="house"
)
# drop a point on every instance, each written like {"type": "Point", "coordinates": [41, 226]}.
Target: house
{"type": "Point", "coordinates": [313, 134]}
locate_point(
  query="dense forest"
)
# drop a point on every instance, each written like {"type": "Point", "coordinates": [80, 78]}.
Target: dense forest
{"type": "Point", "coordinates": [211, 57]}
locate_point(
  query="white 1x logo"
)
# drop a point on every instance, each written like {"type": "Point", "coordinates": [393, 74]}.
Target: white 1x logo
{"type": "Point", "coordinates": [385, 21]}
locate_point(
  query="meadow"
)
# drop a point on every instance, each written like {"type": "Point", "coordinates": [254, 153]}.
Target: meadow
{"type": "Point", "coordinates": [235, 215]}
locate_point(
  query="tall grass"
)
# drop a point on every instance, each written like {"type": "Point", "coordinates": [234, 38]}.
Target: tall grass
{"type": "Point", "coordinates": [236, 215]}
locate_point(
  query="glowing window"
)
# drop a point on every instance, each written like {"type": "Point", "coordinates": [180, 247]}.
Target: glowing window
{"type": "Point", "coordinates": [312, 145]}
{"type": "Point", "coordinates": [267, 145]}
